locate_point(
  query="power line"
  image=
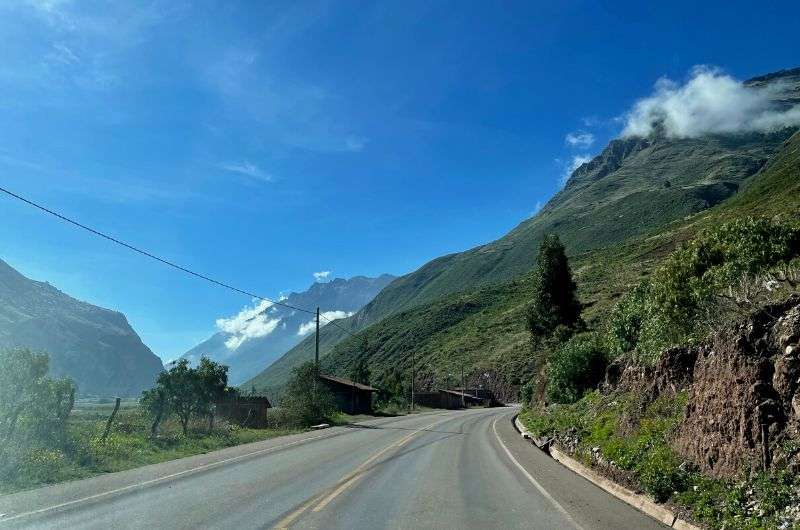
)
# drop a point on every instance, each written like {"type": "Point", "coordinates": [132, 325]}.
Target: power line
{"type": "Point", "coordinates": [151, 255]}
{"type": "Point", "coordinates": [162, 260]}
{"type": "Point", "coordinates": [338, 326]}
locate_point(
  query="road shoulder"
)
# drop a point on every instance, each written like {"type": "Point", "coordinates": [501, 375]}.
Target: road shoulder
{"type": "Point", "coordinates": [588, 505]}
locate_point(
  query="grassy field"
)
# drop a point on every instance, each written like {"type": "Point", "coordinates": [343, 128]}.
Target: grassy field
{"type": "Point", "coordinates": [84, 454]}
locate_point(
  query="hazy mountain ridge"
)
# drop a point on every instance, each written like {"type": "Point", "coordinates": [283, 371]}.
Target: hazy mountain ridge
{"type": "Point", "coordinates": [94, 346]}
{"type": "Point", "coordinates": [634, 186]}
{"type": "Point", "coordinates": [254, 354]}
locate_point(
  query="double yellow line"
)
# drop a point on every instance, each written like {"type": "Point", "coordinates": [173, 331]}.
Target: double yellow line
{"type": "Point", "coordinates": [323, 499]}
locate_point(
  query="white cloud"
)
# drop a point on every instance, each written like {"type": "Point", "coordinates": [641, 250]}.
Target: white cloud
{"type": "Point", "coordinates": [249, 323]}
{"type": "Point", "coordinates": [581, 139]}
{"type": "Point", "coordinates": [321, 275]}
{"type": "Point", "coordinates": [576, 162]}
{"type": "Point", "coordinates": [48, 6]}
{"type": "Point", "coordinates": [324, 318]}
{"type": "Point", "coordinates": [354, 143]}
{"type": "Point", "coordinates": [247, 169]}
{"type": "Point", "coordinates": [63, 54]}
{"type": "Point", "coordinates": [709, 102]}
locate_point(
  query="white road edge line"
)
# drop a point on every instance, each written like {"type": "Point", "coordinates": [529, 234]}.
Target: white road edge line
{"type": "Point", "coordinates": [159, 479]}
{"type": "Point", "coordinates": [533, 481]}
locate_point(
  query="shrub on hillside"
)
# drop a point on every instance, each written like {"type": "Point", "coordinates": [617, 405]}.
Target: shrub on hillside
{"type": "Point", "coordinates": [306, 399]}
{"type": "Point", "coordinates": [394, 390]}
{"type": "Point", "coordinates": [555, 301]}
{"type": "Point", "coordinates": [33, 406]}
{"type": "Point", "coordinates": [187, 392]}
{"type": "Point", "coordinates": [577, 366]}
{"type": "Point", "coordinates": [673, 305]}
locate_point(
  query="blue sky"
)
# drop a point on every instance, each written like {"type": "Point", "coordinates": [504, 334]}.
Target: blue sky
{"type": "Point", "coordinates": [260, 142]}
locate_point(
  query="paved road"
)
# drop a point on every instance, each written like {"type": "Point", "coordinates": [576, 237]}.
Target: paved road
{"type": "Point", "coordinates": [465, 469]}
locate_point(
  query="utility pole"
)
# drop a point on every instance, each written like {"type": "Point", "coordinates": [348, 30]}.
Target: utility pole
{"type": "Point", "coordinates": [412, 380]}
{"type": "Point", "coordinates": [463, 387]}
{"type": "Point", "coordinates": [316, 358]}
{"type": "Point", "coordinates": [316, 346]}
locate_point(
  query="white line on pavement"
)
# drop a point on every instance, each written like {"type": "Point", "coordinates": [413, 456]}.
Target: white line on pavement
{"type": "Point", "coordinates": [533, 481]}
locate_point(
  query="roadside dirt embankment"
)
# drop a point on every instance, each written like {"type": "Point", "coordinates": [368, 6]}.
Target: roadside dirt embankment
{"type": "Point", "coordinates": [743, 385]}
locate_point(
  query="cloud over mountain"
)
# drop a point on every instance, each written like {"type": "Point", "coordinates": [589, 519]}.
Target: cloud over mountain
{"type": "Point", "coordinates": [710, 102]}
{"type": "Point", "coordinates": [324, 318]}
{"type": "Point", "coordinates": [579, 139]}
{"type": "Point", "coordinates": [249, 323]}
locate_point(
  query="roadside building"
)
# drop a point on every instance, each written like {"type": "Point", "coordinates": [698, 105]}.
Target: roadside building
{"type": "Point", "coordinates": [484, 394]}
{"type": "Point", "coordinates": [446, 399]}
{"type": "Point", "coordinates": [351, 397]}
{"type": "Point", "coordinates": [245, 410]}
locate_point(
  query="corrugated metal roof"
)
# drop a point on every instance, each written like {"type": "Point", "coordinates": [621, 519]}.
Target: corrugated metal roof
{"type": "Point", "coordinates": [343, 381]}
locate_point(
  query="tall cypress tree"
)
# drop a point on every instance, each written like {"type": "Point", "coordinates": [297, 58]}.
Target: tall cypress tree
{"type": "Point", "coordinates": [554, 302]}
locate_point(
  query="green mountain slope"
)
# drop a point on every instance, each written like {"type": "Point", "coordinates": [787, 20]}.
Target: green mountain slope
{"type": "Point", "coordinates": [484, 331]}
{"type": "Point", "coordinates": [635, 186]}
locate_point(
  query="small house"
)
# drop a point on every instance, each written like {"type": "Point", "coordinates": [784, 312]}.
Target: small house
{"type": "Point", "coordinates": [351, 397]}
{"type": "Point", "coordinates": [245, 410]}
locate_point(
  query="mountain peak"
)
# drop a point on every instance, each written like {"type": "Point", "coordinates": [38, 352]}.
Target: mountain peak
{"type": "Point", "coordinates": [252, 349]}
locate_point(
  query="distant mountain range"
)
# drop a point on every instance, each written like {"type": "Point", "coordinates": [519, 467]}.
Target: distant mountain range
{"type": "Point", "coordinates": [94, 346]}
{"type": "Point", "coordinates": [253, 339]}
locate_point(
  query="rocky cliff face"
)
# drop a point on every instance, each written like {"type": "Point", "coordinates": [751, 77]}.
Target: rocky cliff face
{"type": "Point", "coordinates": [96, 347]}
{"type": "Point", "coordinates": [745, 379]}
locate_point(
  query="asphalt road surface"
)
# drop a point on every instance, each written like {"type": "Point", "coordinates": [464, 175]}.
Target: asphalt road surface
{"type": "Point", "coordinates": [461, 469]}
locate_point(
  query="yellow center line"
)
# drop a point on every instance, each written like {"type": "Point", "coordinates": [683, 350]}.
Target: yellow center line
{"type": "Point", "coordinates": [361, 470]}
{"type": "Point", "coordinates": [345, 482]}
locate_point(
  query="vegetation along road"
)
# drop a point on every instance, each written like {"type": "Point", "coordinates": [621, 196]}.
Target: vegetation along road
{"type": "Point", "coordinates": [464, 469]}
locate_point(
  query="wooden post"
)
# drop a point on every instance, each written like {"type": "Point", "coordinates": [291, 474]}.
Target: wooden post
{"type": "Point", "coordinates": [463, 387]}
{"type": "Point", "coordinates": [110, 420]}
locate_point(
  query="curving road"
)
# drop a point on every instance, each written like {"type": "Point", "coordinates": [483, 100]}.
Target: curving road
{"type": "Point", "coordinates": [462, 469]}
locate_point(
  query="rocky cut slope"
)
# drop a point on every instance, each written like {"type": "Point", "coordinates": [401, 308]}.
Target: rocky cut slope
{"type": "Point", "coordinates": [743, 389]}
{"type": "Point", "coordinates": [633, 187]}
{"type": "Point", "coordinates": [95, 347]}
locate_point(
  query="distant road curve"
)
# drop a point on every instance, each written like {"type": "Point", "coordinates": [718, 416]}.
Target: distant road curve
{"type": "Point", "coordinates": [459, 469]}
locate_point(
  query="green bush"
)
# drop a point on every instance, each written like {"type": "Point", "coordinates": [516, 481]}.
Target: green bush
{"type": "Point", "coordinates": [659, 472]}
{"type": "Point", "coordinates": [306, 401]}
{"type": "Point", "coordinates": [33, 409]}
{"type": "Point", "coordinates": [555, 301]}
{"type": "Point", "coordinates": [673, 305]}
{"type": "Point", "coordinates": [577, 366]}
{"type": "Point", "coordinates": [526, 394]}
{"type": "Point", "coordinates": [626, 319]}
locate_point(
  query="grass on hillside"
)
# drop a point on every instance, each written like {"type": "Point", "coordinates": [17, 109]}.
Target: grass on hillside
{"type": "Point", "coordinates": [484, 329]}
{"type": "Point", "coordinates": [661, 191]}
{"type": "Point", "coordinates": [128, 446]}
